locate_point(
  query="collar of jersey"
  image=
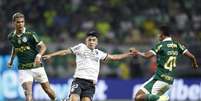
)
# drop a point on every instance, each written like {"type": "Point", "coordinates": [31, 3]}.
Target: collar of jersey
{"type": "Point", "coordinates": [89, 48]}
{"type": "Point", "coordinates": [22, 31]}
{"type": "Point", "coordinates": [167, 39]}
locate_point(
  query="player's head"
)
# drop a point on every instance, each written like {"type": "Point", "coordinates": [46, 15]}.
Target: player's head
{"type": "Point", "coordinates": [91, 39]}
{"type": "Point", "coordinates": [18, 21]}
{"type": "Point", "coordinates": [164, 32]}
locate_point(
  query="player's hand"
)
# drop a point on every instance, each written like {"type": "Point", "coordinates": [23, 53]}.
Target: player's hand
{"type": "Point", "coordinates": [133, 51]}
{"type": "Point", "coordinates": [195, 65]}
{"type": "Point", "coordinates": [37, 60]}
{"type": "Point", "coordinates": [46, 57]}
{"type": "Point", "coordinates": [9, 64]}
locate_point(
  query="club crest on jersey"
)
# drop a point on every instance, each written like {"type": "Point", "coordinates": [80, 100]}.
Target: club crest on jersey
{"type": "Point", "coordinates": [24, 39]}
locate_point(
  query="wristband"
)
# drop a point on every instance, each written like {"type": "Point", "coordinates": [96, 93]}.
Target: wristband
{"type": "Point", "coordinates": [38, 55]}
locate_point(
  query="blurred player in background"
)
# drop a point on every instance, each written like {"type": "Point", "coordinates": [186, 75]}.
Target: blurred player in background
{"type": "Point", "coordinates": [87, 66]}
{"type": "Point", "coordinates": [166, 52]}
{"type": "Point", "coordinates": [29, 49]}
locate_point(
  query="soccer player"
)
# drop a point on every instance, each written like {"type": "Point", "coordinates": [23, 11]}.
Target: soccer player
{"type": "Point", "coordinates": [166, 52]}
{"type": "Point", "coordinates": [29, 49]}
{"type": "Point", "coordinates": [88, 59]}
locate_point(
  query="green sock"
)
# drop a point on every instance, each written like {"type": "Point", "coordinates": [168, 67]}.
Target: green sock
{"type": "Point", "coordinates": [151, 97]}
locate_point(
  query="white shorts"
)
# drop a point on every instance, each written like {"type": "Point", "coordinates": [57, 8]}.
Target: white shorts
{"type": "Point", "coordinates": [36, 74]}
{"type": "Point", "coordinates": [155, 87]}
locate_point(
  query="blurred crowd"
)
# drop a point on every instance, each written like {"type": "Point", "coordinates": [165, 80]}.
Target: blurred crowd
{"type": "Point", "coordinates": [122, 24]}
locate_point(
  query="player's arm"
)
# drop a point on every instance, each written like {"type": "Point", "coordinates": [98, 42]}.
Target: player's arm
{"type": "Point", "coordinates": [42, 48]}
{"type": "Point", "coordinates": [147, 54]}
{"type": "Point", "coordinates": [118, 56]}
{"type": "Point", "coordinates": [58, 53]}
{"type": "Point", "coordinates": [193, 59]}
{"type": "Point", "coordinates": [12, 56]}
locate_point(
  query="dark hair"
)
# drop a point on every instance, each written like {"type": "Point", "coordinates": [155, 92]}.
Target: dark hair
{"type": "Point", "coordinates": [92, 33]}
{"type": "Point", "coordinates": [165, 30]}
{"type": "Point", "coordinates": [17, 15]}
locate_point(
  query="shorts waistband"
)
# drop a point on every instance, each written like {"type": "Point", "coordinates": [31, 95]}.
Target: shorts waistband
{"type": "Point", "coordinates": [29, 66]}
{"type": "Point", "coordinates": [81, 79]}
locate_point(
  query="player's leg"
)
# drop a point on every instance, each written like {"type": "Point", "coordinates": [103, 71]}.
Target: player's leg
{"type": "Point", "coordinates": [144, 94]}
{"type": "Point", "coordinates": [74, 97]}
{"type": "Point", "coordinates": [27, 87]}
{"type": "Point", "coordinates": [41, 77]}
{"type": "Point", "coordinates": [86, 99]}
{"type": "Point", "coordinates": [88, 90]}
{"type": "Point", "coordinates": [159, 88]}
{"type": "Point", "coordinates": [46, 87]}
{"type": "Point", "coordinates": [26, 80]}
{"type": "Point", "coordinates": [140, 96]}
{"type": "Point", "coordinates": [75, 91]}
{"type": "Point", "coordinates": [152, 91]}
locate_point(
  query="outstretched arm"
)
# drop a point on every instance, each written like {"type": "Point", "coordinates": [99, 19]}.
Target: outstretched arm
{"type": "Point", "coordinates": [58, 53]}
{"type": "Point", "coordinates": [147, 54]}
{"type": "Point", "coordinates": [118, 56]}
{"type": "Point", "coordinates": [10, 62]}
{"type": "Point", "coordinates": [193, 59]}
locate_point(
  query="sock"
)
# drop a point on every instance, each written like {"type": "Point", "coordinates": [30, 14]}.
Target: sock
{"type": "Point", "coordinates": [151, 97]}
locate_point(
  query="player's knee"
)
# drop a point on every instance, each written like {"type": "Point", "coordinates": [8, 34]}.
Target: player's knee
{"type": "Point", "coordinates": [74, 97]}
{"type": "Point", "coordinates": [139, 98]}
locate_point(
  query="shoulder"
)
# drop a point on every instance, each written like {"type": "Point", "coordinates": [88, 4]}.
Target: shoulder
{"type": "Point", "coordinates": [178, 43]}
{"type": "Point", "coordinates": [81, 44]}
{"type": "Point", "coordinates": [78, 46]}
{"type": "Point", "coordinates": [10, 35]}
{"type": "Point", "coordinates": [30, 32]}
{"type": "Point", "coordinates": [159, 44]}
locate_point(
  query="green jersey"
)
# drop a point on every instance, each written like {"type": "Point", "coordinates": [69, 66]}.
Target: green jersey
{"type": "Point", "coordinates": [167, 52]}
{"type": "Point", "coordinates": [25, 48]}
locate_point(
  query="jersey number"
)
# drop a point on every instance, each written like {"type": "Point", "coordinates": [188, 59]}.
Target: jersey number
{"type": "Point", "coordinates": [171, 63]}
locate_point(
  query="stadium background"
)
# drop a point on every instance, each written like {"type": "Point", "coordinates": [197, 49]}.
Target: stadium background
{"type": "Point", "coordinates": [122, 24]}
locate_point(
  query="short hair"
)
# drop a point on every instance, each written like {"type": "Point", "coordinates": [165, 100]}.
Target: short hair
{"type": "Point", "coordinates": [17, 15]}
{"type": "Point", "coordinates": [92, 33]}
{"type": "Point", "coordinates": [165, 30]}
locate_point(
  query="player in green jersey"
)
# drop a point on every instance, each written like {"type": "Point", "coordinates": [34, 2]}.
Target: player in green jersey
{"type": "Point", "coordinates": [29, 49]}
{"type": "Point", "coordinates": [166, 52]}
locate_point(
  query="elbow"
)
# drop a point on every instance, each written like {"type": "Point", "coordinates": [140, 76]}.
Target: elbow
{"type": "Point", "coordinates": [147, 57]}
{"type": "Point", "coordinates": [43, 47]}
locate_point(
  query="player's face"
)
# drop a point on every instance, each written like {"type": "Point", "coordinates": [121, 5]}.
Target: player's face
{"type": "Point", "coordinates": [161, 37]}
{"type": "Point", "coordinates": [19, 24]}
{"type": "Point", "coordinates": [91, 42]}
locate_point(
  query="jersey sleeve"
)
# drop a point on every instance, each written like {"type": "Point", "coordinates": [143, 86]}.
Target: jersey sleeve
{"type": "Point", "coordinates": [156, 49]}
{"type": "Point", "coordinates": [76, 49]}
{"type": "Point", "coordinates": [102, 54]}
{"type": "Point", "coordinates": [182, 49]}
{"type": "Point", "coordinates": [35, 38]}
